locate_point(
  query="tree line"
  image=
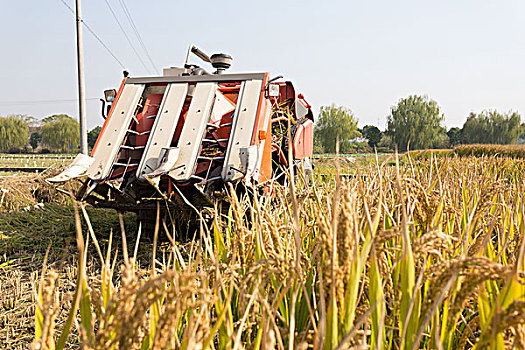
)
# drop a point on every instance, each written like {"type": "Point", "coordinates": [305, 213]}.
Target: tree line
{"type": "Point", "coordinates": [56, 133]}
{"type": "Point", "coordinates": [415, 122]}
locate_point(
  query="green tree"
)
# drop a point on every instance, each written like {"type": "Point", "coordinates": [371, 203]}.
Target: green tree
{"type": "Point", "coordinates": [29, 120]}
{"type": "Point", "coordinates": [492, 127]}
{"type": "Point", "coordinates": [386, 142]}
{"type": "Point", "coordinates": [455, 136]}
{"type": "Point", "coordinates": [61, 132]}
{"type": "Point", "coordinates": [93, 135]}
{"type": "Point", "coordinates": [442, 140]}
{"type": "Point", "coordinates": [335, 121]}
{"type": "Point", "coordinates": [372, 134]}
{"type": "Point", "coordinates": [34, 139]}
{"type": "Point", "coordinates": [416, 120]}
{"type": "Point", "coordinates": [13, 132]}
{"type": "Point", "coordinates": [475, 130]}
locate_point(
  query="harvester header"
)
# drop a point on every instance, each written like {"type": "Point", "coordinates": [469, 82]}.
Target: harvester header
{"type": "Point", "coordinates": [183, 135]}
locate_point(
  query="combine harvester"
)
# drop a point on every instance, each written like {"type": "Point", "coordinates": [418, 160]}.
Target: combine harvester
{"type": "Point", "coordinates": [179, 138]}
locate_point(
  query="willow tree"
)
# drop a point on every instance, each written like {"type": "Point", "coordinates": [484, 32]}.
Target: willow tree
{"type": "Point", "coordinates": [416, 121]}
{"type": "Point", "coordinates": [492, 127]}
{"type": "Point", "coordinates": [61, 132]}
{"type": "Point", "coordinates": [13, 132]}
{"type": "Point", "coordinates": [334, 122]}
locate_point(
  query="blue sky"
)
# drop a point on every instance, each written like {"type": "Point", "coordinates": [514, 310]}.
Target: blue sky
{"type": "Point", "coordinates": [366, 55]}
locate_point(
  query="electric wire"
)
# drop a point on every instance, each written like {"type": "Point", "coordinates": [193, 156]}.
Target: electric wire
{"type": "Point", "coordinates": [127, 37]}
{"type": "Point", "coordinates": [94, 35]}
{"type": "Point", "coordinates": [134, 27]}
{"type": "Point", "coordinates": [37, 102]}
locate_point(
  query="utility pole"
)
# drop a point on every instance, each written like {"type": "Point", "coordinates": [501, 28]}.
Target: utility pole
{"type": "Point", "coordinates": [81, 85]}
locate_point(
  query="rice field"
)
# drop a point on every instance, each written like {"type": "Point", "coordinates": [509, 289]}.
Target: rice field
{"type": "Point", "coordinates": [476, 150]}
{"type": "Point", "coordinates": [427, 254]}
{"type": "Point", "coordinates": [34, 160]}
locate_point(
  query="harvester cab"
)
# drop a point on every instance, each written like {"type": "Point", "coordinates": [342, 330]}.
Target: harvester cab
{"type": "Point", "coordinates": [182, 136]}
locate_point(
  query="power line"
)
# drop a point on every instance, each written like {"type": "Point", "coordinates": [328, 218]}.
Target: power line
{"type": "Point", "coordinates": [37, 102]}
{"type": "Point", "coordinates": [134, 27]}
{"type": "Point", "coordinates": [127, 37]}
{"type": "Point", "coordinates": [95, 35]}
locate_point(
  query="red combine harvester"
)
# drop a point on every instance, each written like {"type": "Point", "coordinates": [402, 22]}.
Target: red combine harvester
{"type": "Point", "coordinates": [179, 138]}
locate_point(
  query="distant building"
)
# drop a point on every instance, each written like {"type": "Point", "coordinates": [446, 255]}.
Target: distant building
{"type": "Point", "coordinates": [357, 140]}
